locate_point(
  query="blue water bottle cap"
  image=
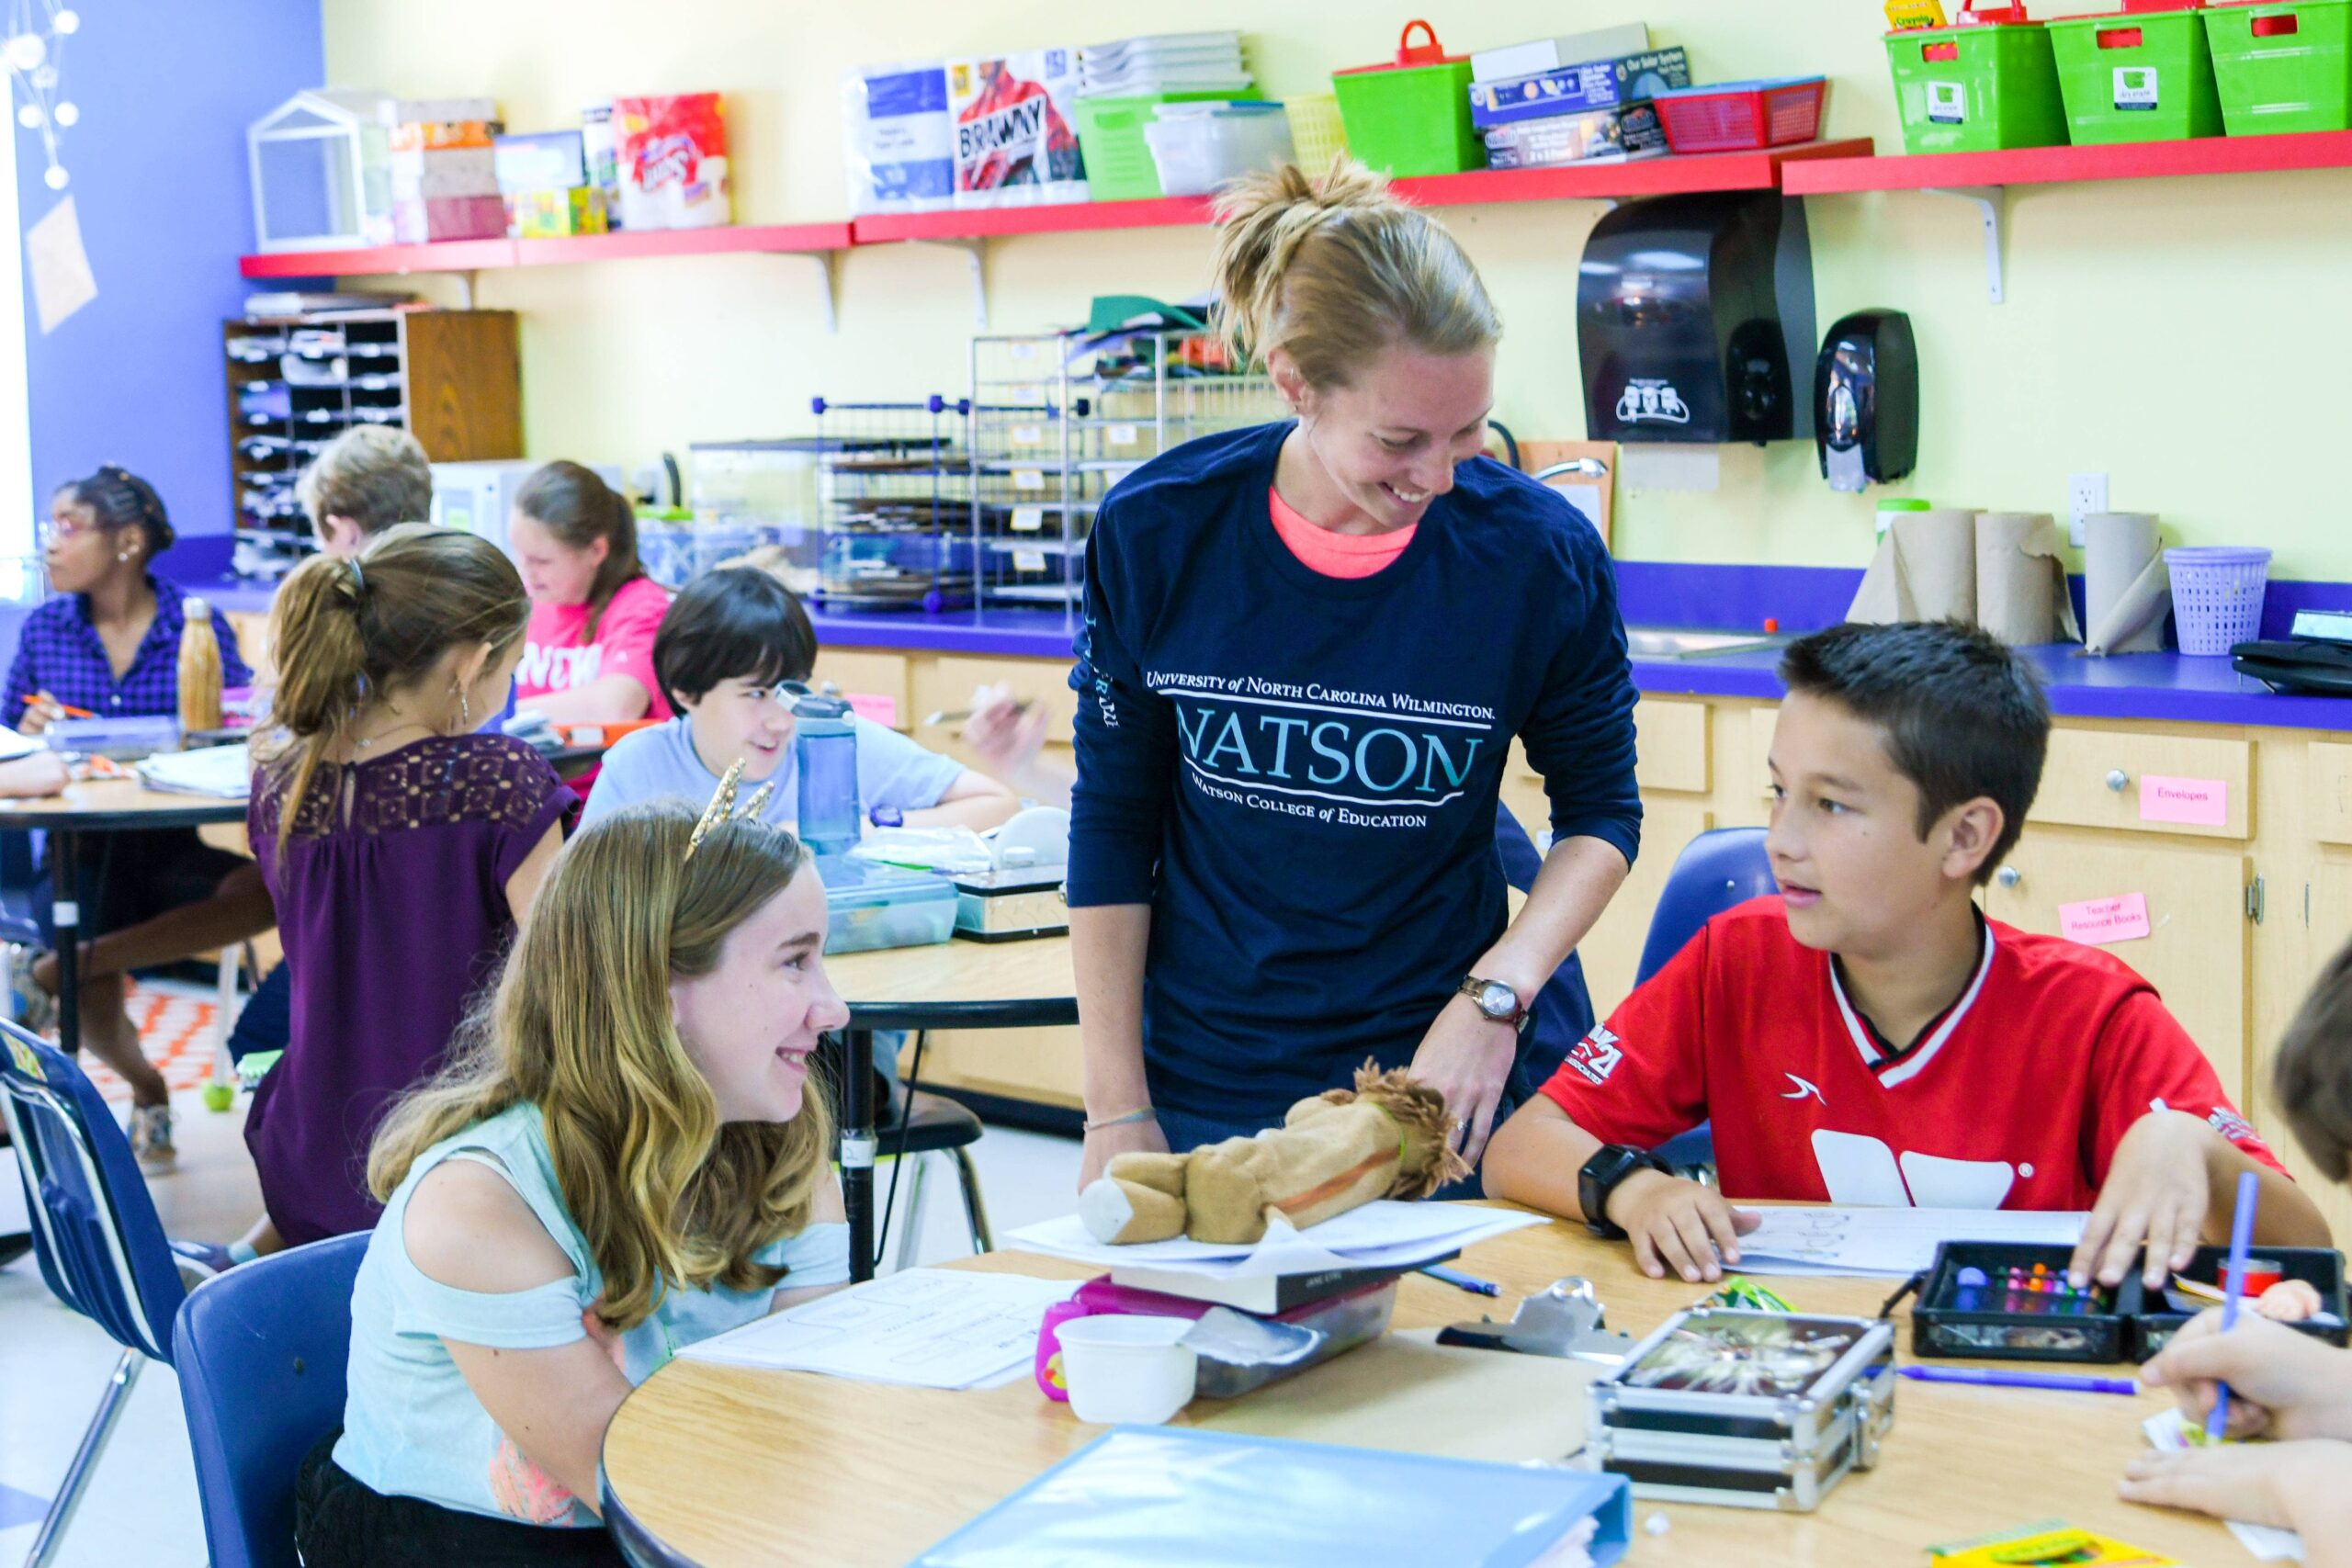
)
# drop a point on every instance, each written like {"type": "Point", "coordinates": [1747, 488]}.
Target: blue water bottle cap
{"type": "Point", "coordinates": [886, 817]}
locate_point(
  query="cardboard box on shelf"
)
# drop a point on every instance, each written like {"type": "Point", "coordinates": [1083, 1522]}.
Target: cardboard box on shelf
{"type": "Point", "coordinates": [672, 157]}
{"type": "Point", "coordinates": [1579, 89]}
{"type": "Point", "coordinates": [415, 135]}
{"type": "Point", "coordinates": [556, 214]}
{"type": "Point", "coordinates": [1556, 53]}
{"type": "Point", "coordinates": [543, 160]}
{"type": "Point", "coordinates": [422, 175]}
{"type": "Point", "coordinates": [450, 218]}
{"type": "Point", "coordinates": [1601, 135]}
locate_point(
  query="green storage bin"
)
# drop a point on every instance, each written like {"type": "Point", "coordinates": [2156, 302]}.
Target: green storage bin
{"type": "Point", "coordinates": [2136, 75]}
{"type": "Point", "coordinates": [1978, 88]}
{"type": "Point", "coordinates": [1411, 118]}
{"type": "Point", "coordinates": [2282, 67]}
{"type": "Point", "coordinates": [1110, 139]}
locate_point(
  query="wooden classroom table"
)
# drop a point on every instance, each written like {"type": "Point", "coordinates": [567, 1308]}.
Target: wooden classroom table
{"type": "Point", "coordinates": [724, 1467]}
{"type": "Point", "coordinates": [958, 984]}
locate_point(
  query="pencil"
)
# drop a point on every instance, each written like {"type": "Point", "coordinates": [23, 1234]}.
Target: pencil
{"type": "Point", "coordinates": [2241, 1238]}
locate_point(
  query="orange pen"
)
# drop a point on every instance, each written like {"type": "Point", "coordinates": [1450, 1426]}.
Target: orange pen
{"type": "Point", "coordinates": [68, 709]}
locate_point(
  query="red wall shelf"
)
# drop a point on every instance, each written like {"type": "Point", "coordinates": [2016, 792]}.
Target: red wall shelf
{"type": "Point", "coordinates": [1607, 182]}
{"type": "Point", "coordinates": [2051, 165]}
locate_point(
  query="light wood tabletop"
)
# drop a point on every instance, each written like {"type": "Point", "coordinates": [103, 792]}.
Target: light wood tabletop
{"type": "Point", "coordinates": [977, 973]}
{"type": "Point", "coordinates": [117, 805]}
{"type": "Point", "coordinates": [725, 1465]}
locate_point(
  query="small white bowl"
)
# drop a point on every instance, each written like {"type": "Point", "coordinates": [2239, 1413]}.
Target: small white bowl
{"type": "Point", "coordinates": [1125, 1368]}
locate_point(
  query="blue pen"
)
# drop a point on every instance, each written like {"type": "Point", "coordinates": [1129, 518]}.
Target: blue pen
{"type": "Point", "coordinates": [2241, 1238]}
{"type": "Point", "coordinates": [2021, 1379]}
{"type": "Point", "coordinates": [1462, 1281]}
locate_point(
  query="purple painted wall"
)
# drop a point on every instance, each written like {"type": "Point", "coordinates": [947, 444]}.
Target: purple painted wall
{"type": "Point", "coordinates": [158, 168]}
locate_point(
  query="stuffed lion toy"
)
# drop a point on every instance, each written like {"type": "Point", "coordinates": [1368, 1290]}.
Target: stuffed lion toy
{"type": "Point", "coordinates": [1388, 1137]}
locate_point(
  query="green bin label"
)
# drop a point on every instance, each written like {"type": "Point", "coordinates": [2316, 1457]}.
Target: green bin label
{"type": "Point", "coordinates": [1948, 103]}
{"type": "Point", "coordinates": [2135, 88]}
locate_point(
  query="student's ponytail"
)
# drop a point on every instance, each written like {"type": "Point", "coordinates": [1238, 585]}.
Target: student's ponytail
{"type": "Point", "coordinates": [349, 632]}
{"type": "Point", "coordinates": [1334, 269]}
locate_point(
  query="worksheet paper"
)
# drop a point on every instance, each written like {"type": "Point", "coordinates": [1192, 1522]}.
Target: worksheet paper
{"type": "Point", "coordinates": [1896, 1243]}
{"type": "Point", "coordinates": [927, 1327]}
{"type": "Point", "coordinates": [2267, 1542]}
{"type": "Point", "coordinates": [1383, 1234]}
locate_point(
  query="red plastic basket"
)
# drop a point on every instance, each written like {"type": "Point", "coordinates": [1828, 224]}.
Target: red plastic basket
{"type": "Point", "coordinates": [1734, 117]}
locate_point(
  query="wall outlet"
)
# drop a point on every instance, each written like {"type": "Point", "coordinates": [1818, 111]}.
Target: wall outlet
{"type": "Point", "coordinates": [2086, 493]}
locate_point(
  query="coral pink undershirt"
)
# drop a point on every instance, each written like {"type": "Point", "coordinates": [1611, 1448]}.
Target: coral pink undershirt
{"type": "Point", "coordinates": [1334, 555]}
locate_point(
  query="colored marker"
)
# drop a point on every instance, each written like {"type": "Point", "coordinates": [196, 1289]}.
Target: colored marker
{"type": "Point", "coordinates": [1462, 1281]}
{"type": "Point", "coordinates": [2241, 1238]}
{"type": "Point", "coordinates": [2063, 1381]}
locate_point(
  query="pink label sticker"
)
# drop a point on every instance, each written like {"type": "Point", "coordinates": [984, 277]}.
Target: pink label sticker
{"type": "Point", "coordinates": [2200, 802]}
{"type": "Point", "coordinates": [2099, 921]}
{"type": "Point", "coordinates": [873, 709]}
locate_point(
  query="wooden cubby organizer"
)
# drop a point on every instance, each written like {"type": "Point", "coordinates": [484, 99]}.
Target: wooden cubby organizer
{"type": "Point", "coordinates": [451, 379]}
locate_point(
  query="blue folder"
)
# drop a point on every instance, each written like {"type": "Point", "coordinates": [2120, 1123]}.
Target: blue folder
{"type": "Point", "coordinates": [1178, 1498]}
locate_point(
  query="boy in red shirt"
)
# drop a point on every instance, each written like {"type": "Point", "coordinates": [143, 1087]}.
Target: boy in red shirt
{"type": "Point", "coordinates": [1868, 1037]}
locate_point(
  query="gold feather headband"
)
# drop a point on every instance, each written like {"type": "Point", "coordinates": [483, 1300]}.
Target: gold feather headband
{"type": "Point", "coordinates": [722, 806]}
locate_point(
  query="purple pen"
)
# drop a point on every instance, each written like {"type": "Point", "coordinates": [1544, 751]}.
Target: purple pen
{"type": "Point", "coordinates": [2065, 1382]}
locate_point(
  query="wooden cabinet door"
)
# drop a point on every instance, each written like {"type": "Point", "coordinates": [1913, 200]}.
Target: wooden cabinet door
{"type": "Point", "coordinates": [1043, 1066]}
{"type": "Point", "coordinates": [2196, 951]}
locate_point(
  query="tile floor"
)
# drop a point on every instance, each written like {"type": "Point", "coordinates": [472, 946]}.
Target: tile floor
{"type": "Point", "coordinates": [141, 1505]}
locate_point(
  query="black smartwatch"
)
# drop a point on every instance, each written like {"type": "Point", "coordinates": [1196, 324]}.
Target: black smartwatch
{"type": "Point", "coordinates": [1602, 1175]}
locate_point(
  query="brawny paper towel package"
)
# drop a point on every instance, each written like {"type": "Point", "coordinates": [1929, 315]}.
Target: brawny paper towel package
{"type": "Point", "coordinates": [898, 139]}
{"type": "Point", "coordinates": [1014, 141]}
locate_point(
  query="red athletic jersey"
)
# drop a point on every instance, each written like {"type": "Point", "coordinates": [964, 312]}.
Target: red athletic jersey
{"type": "Point", "coordinates": [2014, 1098]}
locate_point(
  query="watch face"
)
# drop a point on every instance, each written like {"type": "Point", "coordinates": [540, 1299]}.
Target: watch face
{"type": "Point", "coordinates": [1497, 1000]}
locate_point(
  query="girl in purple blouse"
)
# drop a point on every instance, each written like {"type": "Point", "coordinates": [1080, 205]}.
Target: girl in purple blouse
{"type": "Point", "coordinates": [401, 848]}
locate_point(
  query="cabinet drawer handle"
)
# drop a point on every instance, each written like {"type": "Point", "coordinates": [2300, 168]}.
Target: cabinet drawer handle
{"type": "Point", "coordinates": [2118, 780]}
{"type": "Point", "coordinates": [2008, 876]}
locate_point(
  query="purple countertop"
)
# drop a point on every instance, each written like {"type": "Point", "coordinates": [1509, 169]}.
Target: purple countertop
{"type": "Point", "coordinates": [2166, 687]}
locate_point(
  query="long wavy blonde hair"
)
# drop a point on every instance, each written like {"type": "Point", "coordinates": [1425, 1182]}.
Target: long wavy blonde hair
{"type": "Point", "coordinates": [581, 1026]}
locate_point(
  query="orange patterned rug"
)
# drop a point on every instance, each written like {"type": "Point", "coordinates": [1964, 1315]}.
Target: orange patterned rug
{"type": "Point", "coordinates": [174, 1030]}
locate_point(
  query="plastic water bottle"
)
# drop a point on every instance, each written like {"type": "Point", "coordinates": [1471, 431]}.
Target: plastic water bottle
{"type": "Point", "coordinates": [825, 750]}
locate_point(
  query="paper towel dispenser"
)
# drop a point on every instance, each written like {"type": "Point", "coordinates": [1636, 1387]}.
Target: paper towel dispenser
{"type": "Point", "coordinates": [1866, 400]}
{"type": "Point", "coordinates": [1691, 312]}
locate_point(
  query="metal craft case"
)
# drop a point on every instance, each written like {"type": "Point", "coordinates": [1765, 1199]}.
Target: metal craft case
{"type": "Point", "coordinates": [1747, 1409]}
{"type": "Point", "coordinates": [1011, 905]}
{"type": "Point", "coordinates": [2321, 1267]}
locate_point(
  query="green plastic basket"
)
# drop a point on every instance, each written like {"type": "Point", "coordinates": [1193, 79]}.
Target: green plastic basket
{"type": "Point", "coordinates": [1978, 88]}
{"type": "Point", "coordinates": [2136, 75]}
{"type": "Point", "coordinates": [1411, 118]}
{"type": "Point", "coordinates": [1109, 138]}
{"type": "Point", "coordinates": [2282, 67]}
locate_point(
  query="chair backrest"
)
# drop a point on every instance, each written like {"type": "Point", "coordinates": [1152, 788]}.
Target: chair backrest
{"type": "Point", "coordinates": [264, 1348]}
{"type": "Point", "coordinates": [102, 1248]}
{"type": "Point", "coordinates": [1716, 871]}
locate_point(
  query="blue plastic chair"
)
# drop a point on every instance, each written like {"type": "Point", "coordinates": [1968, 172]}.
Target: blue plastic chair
{"type": "Point", "coordinates": [1716, 871]}
{"type": "Point", "coordinates": [263, 1351]}
{"type": "Point", "coordinates": [101, 1247]}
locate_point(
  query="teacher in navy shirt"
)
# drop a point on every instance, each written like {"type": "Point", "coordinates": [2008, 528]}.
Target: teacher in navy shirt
{"type": "Point", "coordinates": [1307, 649]}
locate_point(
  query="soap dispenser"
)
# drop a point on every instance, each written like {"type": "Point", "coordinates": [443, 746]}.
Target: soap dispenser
{"type": "Point", "coordinates": [1866, 400]}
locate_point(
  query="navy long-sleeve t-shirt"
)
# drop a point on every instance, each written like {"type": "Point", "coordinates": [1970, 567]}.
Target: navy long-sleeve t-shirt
{"type": "Point", "coordinates": [1299, 774]}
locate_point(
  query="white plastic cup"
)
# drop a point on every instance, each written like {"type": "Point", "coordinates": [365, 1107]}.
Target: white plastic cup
{"type": "Point", "coordinates": [1125, 1367]}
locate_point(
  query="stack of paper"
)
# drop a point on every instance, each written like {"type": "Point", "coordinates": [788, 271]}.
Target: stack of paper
{"type": "Point", "coordinates": [222, 772]}
{"type": "Point", "coordinates": [1898, 1243]}
{"type": "Point", "coordinates": [1387, 1234]}
{"type": "Point", "coordinates": [13, 745]}
{"type": "Point", "coordinates": [1169, 63]}
{"type": "Point", "coordinates": [928, 1328]}
{"type": "Point", "coordinates": [2267, 1542]}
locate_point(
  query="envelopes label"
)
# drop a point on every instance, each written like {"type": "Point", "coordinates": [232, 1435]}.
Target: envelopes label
{"type": "Point", "coordinates": [2200, 802]}
{"type": "Point", "coordinates": [874, 708]}
{"type": "Point", "coordinates": [2099, 921]}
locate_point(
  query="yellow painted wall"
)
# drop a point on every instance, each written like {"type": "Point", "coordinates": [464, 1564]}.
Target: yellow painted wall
{"type": "Point", "coordinates": [2191, 338]}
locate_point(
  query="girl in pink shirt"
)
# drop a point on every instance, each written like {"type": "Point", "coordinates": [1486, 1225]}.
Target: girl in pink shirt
{"type": "Point", "coordinates": [588, 653]}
